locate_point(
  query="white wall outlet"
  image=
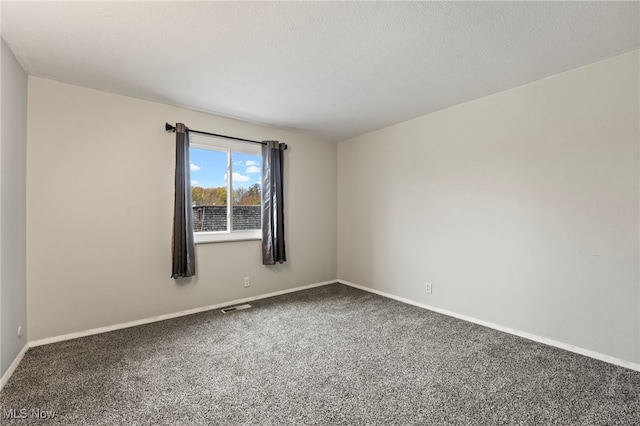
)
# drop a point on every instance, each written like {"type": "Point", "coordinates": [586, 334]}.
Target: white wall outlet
{"type": "Point", "coordinates": [247, 281]}
{"type": "Point", "coordinates": [19, 332]}
{"type": "Point", "coordinates": [427, 288]}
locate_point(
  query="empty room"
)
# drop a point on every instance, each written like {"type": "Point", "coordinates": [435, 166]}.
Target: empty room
{"type": "Point", "coordinates": [317, 213]}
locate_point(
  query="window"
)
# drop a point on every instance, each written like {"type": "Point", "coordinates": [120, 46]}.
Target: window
{"type": "Point", "coordinates": [225, 189]}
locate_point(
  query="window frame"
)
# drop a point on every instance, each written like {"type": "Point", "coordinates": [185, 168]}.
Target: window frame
{"type": "Point", "coordinates": [214, 143]}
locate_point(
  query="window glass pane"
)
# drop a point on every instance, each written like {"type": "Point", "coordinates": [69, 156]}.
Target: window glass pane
{"type": "Point", "coordinates": [209, 189]}
{"type": "Point", "coordinates": [247, 194]}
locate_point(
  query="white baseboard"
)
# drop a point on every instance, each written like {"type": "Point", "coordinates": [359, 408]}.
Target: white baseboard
{"type": "Point", "coordinates": [114, 327]}
{"type": "Point", "coordinates": [13, 366]}
{"type": "Point", "coordinates": [524, 334]}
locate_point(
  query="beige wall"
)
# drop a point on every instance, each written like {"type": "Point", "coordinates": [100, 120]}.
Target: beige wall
{"type": "Point", "coordinates": [521, 208]}
{"type": "Point", "coordinates": [100, 205]}
{"type": "Point", "coordinates": [13, 285]}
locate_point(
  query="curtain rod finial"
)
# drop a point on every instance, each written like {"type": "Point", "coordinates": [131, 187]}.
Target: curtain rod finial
{"type": "Point", "coordinates": [169, 128]}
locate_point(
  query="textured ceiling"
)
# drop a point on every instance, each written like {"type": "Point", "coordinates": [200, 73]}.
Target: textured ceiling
{"type": "Point", "coordinates": [328, 69]}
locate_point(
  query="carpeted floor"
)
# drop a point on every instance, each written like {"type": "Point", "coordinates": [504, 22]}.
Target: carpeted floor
{"type": "Point", "coordinates": [329, 355]}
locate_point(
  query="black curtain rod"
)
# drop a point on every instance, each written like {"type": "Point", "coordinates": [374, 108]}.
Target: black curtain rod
{"type": "Point", "coordinates": [169, 128]}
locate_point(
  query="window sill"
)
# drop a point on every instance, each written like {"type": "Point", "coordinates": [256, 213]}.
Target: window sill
{"type": "Point", "coordinates": [222, 237]}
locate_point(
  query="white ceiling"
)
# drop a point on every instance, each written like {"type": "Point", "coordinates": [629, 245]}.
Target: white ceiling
{"type": "Point", "coordinates": [329, 69]}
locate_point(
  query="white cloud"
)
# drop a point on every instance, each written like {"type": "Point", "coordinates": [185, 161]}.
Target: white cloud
{"type": "Point", "coordinates": [194, 168]}
{"type": "Point", "coordinates": [252, 169]}
{"type": "Point", "coordinates": [251, 163]}
{"type": "Point", "coordinates": [237, 177]}
{"type": "Point", "coordinates": [240, 178]}
{"type": "Point", "coordinates": [194, 182]}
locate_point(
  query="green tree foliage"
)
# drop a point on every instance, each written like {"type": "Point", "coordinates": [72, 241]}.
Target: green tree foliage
{"type": "Point", "coordinates": [209, 196]}
{"type": "Point", "coordinates": [218, 196]}
{"type": "Point", "coordinates": [247, 196]}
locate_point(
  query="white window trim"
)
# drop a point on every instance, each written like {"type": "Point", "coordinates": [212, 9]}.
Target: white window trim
{"type": "Point", "coordinates": [224, 236]}
{"type": "Point", "coordinates": [212, 142]}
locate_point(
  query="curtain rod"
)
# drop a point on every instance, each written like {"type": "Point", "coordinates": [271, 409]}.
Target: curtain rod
{"type": "Point", "coordinates": [169, 128]}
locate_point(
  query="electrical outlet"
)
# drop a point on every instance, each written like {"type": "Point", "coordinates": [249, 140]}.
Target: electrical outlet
{"type": "Point", "coordinates": [247, 281]}
{"type": "Point", "coordinates": [427, 288]}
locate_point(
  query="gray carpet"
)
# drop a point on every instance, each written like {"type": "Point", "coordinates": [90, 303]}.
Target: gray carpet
{"type": "Point", "coordinates": [329, 355]}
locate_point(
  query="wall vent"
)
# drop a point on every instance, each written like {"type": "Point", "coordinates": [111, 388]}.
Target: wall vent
{"type": "Point", "coordinates": [235, 308]}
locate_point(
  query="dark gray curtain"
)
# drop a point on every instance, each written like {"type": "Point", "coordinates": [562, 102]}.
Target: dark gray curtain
{"type": "Point", "coordinates": [272, 203]}
{"type": "Point", "coordinates": [183, 249]}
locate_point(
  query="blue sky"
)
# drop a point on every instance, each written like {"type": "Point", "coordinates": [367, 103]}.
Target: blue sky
{"type": "Point", "coordinates": [209, 168]}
